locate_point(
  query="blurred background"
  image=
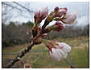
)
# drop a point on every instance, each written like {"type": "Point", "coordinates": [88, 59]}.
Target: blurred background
{"type": "Point", "coordinates": [17, 23]}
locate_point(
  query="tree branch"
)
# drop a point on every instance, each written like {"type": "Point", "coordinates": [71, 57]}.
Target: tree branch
{"type": "Point", "coordinates": [19, 56]}
{"type": "Point", "coordinates": [11, 6]}
{"type": "Point", "coordinates": [30, 11]}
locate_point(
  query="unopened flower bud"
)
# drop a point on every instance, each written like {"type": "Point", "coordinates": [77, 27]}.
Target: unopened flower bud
{"type": "Point", "coordinates": [56, 8]}
{"type": "Point", "coordinates": [59, 26]}
{"type": "Point", "coordinates": [69, 18]}
{"type": "Point", "coordinates": [61, 12]}
{"type": "Point", "coordinates": [58, 50]}
{"type": "Point", "coordinates": [40, 15]}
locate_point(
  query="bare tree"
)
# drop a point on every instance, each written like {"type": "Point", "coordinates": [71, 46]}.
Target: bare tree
{"type": "Point", "coordinates": [8, 9]}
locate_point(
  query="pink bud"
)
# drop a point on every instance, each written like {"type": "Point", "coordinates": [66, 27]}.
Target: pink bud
{"type": "Point", "coordinates": [69, 18]}
{"type": "Point", "coordinates": [40, 15]}
{"type": "Point", "coordinates": [59, 26]}
{"type": "Point", "coordinates": [58, 50]}
{"type": "Point", "coordinates": [44, 13]}
{"type": "Point", "coordinates": [56, 8]}
{"type": "Point", "coordinates": [61, 12]}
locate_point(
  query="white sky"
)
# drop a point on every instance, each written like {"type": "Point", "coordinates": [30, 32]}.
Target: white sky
{"type": "Point", "coordinates": [80, 8]}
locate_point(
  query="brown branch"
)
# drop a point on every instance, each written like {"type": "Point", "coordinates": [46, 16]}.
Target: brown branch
{"type": "Point", "coordinates": [19, 56]}
{"type": "Point", "coordinates": [22, 53]}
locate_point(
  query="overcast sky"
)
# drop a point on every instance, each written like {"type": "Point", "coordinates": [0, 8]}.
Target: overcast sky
{"type": "Point", "coordinates": [80, 8]}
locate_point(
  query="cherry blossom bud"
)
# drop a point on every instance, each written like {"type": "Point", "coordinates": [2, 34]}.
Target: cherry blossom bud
{"type": "Point", "coordinates": [61, 12]}
{"type": "Point", "coordinates": [58, 50]}
{"type": "Point", "coordinates": [56, 8]}
{"type": "Point", "coordinates": [59, 26]}
{"type": "Point", "coordinates": [57, 54]}
{"type": "Point", "coordinates": [40, 15]}
{"type": "Point", "coordinates": [69, 18]}
{"type": "Point", "coordinates": [65, 48]}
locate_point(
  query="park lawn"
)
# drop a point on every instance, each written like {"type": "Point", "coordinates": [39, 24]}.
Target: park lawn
{"type": "Point", "coordinates": [39, 57]}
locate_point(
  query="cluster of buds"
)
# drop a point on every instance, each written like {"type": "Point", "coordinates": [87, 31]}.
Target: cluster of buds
{"type": "Point", "coordinates": [58, 12]}
{"type": "Point", "coordinates": [57, 50]}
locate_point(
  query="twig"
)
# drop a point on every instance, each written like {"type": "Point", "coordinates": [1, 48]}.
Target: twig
{"type": "Point", "coordinates": [19, 56]}
{"type": "Point", "coordinates": [30, 11]}
{"type": "Point", "coordinates": [11, 6]}
{"type": "Point", "coordinates": [22, 53]}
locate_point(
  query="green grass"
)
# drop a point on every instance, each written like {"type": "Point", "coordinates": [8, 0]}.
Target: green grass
{"type": "Point", "coordinates": [80, 57]}
{"type": "Point", "coordinates": [39, 57]}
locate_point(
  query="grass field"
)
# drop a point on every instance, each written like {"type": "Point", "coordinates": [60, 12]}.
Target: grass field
{"type": "Point", "coordinates": [39, 57]}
